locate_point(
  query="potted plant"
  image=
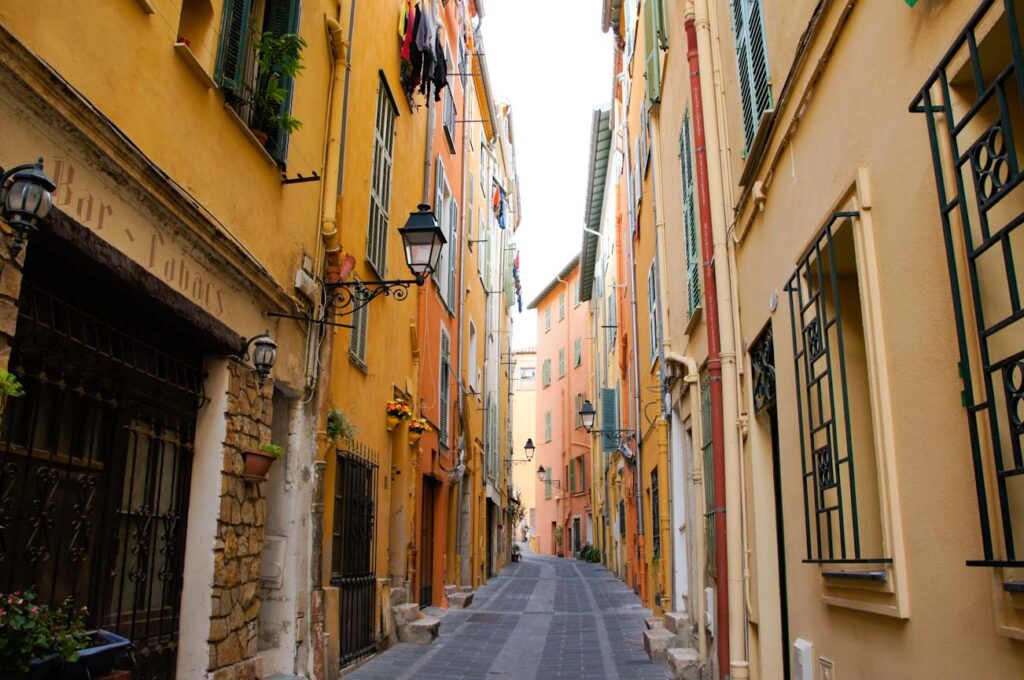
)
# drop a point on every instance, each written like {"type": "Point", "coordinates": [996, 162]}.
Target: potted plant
{"type": "Point", "coordinates": [417, 426]}
{"type": "Point", "coordinates": [397, 411]}
{"type": "Point", "coordinates": [339, 427]}
{"type": "Point", "coordinates": [10, 386]}
{"type": "Point", "coordinates": [517, 552]}
{"type": "Point", "coordinates": [279, 59]}
{"type": "Point", "coordinates": [258, 462]}
{"type": "Point", "coordinates": [36, 639]}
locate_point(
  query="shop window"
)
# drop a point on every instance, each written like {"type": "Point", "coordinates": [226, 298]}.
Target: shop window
{"type": "Point", "coordinates": [244, 24]}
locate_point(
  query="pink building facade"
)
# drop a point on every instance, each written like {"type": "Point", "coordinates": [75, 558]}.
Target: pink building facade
{"type": "Point", "coordinates": [564, 520]}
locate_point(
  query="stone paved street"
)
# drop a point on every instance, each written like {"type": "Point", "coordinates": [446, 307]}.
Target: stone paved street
{"type": "Point", "coordinates": [543, 618]}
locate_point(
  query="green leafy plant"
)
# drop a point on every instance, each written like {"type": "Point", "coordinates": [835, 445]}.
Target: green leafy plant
{"type": "Point", "coordinates": [339, 428]}
{"type": "Point", "coordinates": [32, 631]}
{"type": "Point", "coordinates": [516, 548]}
{"type": "Point", "coordinates": [279, 59]}
{"type": "Point", "coordinates": [273, 449]}
{"type": "Point", "coordinates": [10, 386]}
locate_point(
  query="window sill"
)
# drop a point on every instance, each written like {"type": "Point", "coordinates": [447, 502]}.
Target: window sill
{"type": "Point", "coordinates": [856, 575]}
{"type": "Point", "coordinates": [146, 6]}
{"type": "Point", "coordinates": [358, 363]}
{"type": "Point", "coordinates": [870, 590]}
{"type": "Point", "coordinates": [691, 323]}
{"type": "Point", "coordinates": [233, 115]}
{"type": "Point", "coordinates": [185, 52]}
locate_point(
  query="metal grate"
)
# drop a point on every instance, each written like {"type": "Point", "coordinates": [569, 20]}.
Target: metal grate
{"type": "Point", "coordinates": [972, 104]}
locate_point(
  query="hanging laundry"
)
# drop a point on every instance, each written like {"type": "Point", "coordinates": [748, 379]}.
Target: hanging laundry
{"type": "Point", "coordinates": [502, 207]}
{"type": "Point", "coordinates": [426, 42]}
{"type": "Point", "coordinates": [411, 71]}
{"type": "Point", "coordinates": [408, 24]}
{"type": "Point", "coordinates": [440, 74]}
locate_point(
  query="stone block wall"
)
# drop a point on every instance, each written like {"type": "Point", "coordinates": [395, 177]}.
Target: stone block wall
{"type": "Point", "coordinates": [243, 508]}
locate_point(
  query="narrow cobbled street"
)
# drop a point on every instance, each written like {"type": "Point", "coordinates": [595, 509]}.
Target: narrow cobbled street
{"type": "Point", "coordinates": [543, 618]}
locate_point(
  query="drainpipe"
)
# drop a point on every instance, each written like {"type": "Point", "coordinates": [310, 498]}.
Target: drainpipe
{"type": "Point", "coordinates": [460, 277]}
{"type": "Point", "coordinates": [691, 378]}
{"type": "Point", "coordinates": [721, 355]}
{"type": "Point", "coordinates": [638, 467]}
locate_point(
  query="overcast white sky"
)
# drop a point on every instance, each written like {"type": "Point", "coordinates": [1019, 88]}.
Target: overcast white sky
{"type": "Point", "coordinates": [550, 59]}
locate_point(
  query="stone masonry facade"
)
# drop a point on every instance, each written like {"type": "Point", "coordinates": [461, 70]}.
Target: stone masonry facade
{"type": "Point", "coordinates": [243, 509]}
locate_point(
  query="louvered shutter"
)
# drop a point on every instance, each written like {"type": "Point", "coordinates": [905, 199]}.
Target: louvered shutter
{"type": "Point", "coordinates": [443, 390]}
{"type": "Point", "coordinates": [282, 17]}
{"type": "Point", "coordinates": [572, 476]}
{"type": "Point", "coordinates": [234, 38]}
{"type": "Point", "coordinates": [652, 56]}
{"type": "Point", "coordinates": [652, 309]}
{"type": "Point", "coordinates": [357, 338]}
{"type": "Point", "coordinates": [547, 426]}
{"type": "Point", "coordinates": [507, 282]}
{"type": "Point", "coordinates": [689, 216]}
{"type": "Point", "coordinates": [752, 63]}
{"type": "Point", "coordinates": [453, 237]}
{"type": "Point", "coordinates": [609, 417]}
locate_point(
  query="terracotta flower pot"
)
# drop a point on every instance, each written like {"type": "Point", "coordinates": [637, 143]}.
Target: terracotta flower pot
{"type": "Point", "coordinates": [348, 263]}
{"type": "Point", "coordinates": [257, 465]}
{"type": "Point", "coordinates": [260, 135]}
{"type": "Point", "coordinates": [414, 436]}
{"type": "Point", "coordinates": [392, 422]}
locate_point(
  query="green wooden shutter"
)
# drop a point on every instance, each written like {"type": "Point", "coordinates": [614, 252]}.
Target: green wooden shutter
{"type": "Point", "coordinates": [282, 17]}
{"type": "Point", "coordinates": [453, 239]}
{"type": "Point", "coordinates": [577, 352]}
{"type": "Point", "coordinates": [547, 426]}
{"type": "Point", "coordinates": [546, 373]}
{"type": "Point", "coordinates": [689, 216]}
{"type": "Point", "coordinates": [444, 389]}
{"type": "Point", "coordinates": [609, 417]}
{"type": "Point", "coordinates": [572, 476]}
{"type": "Point", "coordinates": [652, 57]}
{"type": "Point", "coordinates": [234, 38]}
{"type": "Point", "coordinates": [582, 473]}
{"type": "Point", "coordinates": [561, 362]}
{"type": "Point", "coordinates": [752, 63]}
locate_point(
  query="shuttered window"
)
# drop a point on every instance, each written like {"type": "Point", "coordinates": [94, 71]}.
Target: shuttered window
{"type": "Point", "coordinates": [561, 306]}
{"type": "Point", "coordinates": [547, 426]}
{"type": "Point", "coordinates": [443, 389]}
{"type": "Point", "coordinates": [547, 487]}
{"type": "Point", "coordinates": [577, 352]}
{"type": "Point", "coordinates": [453, 249]}
{"type": "Point", "coordinates": [582, 473]}
{"type": "Point", "coordinates": [357, 339]}
{"type": "Point", "coordinates": [380, 181]}
{"type": "Point", "coordinates": [233, 48]}
{"type": "Point", "coordinates": [448, 115]}
{"type": "Point", "coordinates": [613, 313]}
{"type": "Point", "coordinates": [655, 515]}
{"type": "Point", "coordinates": [445, 211]}
{"type": "Point", "coordinates": [689, 216]}
{"type": "Point", "coordinates": [561, 363]}
{"type": "Point", "coordinates": [655, 38]}
{"type": "Point", "coordinates": [752, 62]}
{"type": "Point", "coordinates": [547, 319]}
{"type": "Point", "coordinates": [652, 309]}
{"type": "Point", "coordinates": [609, 417]}
{"type": "Point", "coordinates": [470, 213]}
{"type": "Point", "coordinates": [572, 477]}
{"type": "Point", "coordinates": [545, 373]}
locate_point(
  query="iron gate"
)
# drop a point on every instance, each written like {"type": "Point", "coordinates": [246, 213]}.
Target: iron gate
{"type": "Point", "coordinates": [353, 561]}
{"type": "Point", "coordinates": [95, 459]}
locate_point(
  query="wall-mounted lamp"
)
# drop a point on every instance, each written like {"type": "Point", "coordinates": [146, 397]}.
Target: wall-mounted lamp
{"type": "Point", "coordinates": [545, 476]}
{"type": "Point", "coordinates": [25, 198]}
{"type": "Point", "coordinates": [263, 352]}
{"type": "Point", "coordinates": [587, 416]}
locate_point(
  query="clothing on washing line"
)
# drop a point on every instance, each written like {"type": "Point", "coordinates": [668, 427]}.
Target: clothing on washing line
{"type": "Point", "coordinates": [407, 30]}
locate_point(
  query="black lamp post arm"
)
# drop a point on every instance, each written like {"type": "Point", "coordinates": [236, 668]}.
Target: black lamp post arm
{"type": "Point", "coordinates": [345, 298]}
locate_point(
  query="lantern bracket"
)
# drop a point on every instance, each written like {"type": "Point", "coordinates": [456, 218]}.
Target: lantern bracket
{"type": "Point", "coordinates": [345, 298]}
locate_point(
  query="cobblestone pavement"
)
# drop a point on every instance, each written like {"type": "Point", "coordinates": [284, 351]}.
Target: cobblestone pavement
{"type": "Point", "coordinates": [543, 618]}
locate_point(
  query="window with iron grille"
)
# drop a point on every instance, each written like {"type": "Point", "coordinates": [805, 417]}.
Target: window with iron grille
{"type": "Point", "coordinates": [689, 216]}
{"type": "Point", "coordinates": [972, 104]}
{"type": "Point", "coordinates": [444, 389]}
{"type": "Point", "coordinates": [244, 22]}
{"type": "Point", "coordinates": [837, 444]}
{"type": "Point", "coordinates": [752, 63]}
{"type": "Point", "coordinates": [380, 180]}
{"type": "Point", "coordinates": [655, 515]}
{"type": "Point", "coordinates": [357, 337]}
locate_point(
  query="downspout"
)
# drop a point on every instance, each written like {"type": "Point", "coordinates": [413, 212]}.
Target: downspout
{"type": "Point", "coordinates": [730, 631]}
{"type": "Point", "coordinates": [466, 444]}
{"type": "Point", "coordinates": [691, 378]}
{"type": "Point", "coordinates": [329, 234]}
{"type": "Point", "coordinates": [638, 467]}
{"type": "Point", "coordinates": [566, 428]}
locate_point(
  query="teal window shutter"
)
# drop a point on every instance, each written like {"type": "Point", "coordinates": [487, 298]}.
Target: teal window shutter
{"type": "Point", "coordinates": [652, 58]}
{"type": "Point", "coordinates": [689, 216]}
{"type": "Point", "coordinates": [561, 362]}
{"type": "Point", "coordinates": [752, 63]}
{"type": "Point", "coordinates": [572, 476]}
{"type": "Point", "coordinates": [453, 239]}
{"type": "Point", "coordinates": [234, 39]}
{"type": "Point", "coordinates": [547, 426]}
{"type": "Point", "coordinates": [583, 473]}
{"type": "Point", "coordinates": [546, 373]}
{"type": "Point", "coordinates": [577, 352]}
{"type": "Point", "coordinates": [609, 417]}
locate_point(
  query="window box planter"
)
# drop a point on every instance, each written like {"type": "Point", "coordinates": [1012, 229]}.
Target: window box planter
{"type": "Point", "coordinates": [97, 660]}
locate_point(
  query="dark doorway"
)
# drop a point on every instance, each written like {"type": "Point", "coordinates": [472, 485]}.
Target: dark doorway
{"type": "Point", "coordinates": [353, 561]}
{"type": "Point", "coordinates": [490, 538]}
{"type": "Point", "coordinates": [576, 535]}
{"type": "Point", "coordinates": [430, 490]}
{"type": "Point", "coordinates": [96, 457]}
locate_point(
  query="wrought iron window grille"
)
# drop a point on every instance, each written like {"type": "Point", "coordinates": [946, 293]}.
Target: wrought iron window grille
{"type": "Point", "coordinates": [762, 362]}
{"type": "Point", "coordinates": [972, 107]}
{"type": "Point", "coordinates": [831, 515]}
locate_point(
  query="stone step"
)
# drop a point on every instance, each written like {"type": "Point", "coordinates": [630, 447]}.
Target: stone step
{"type": "Point", "coordinates": [405, 614]}
{"type": "Point", "coordinates": [465, 589]}
{"type": "Point", "coordinates": [420, 632]}
{"type": "Point", "coordinates": [450, 590]}
{"type": "Point", "coordinates": [460, 600]}
{"type": "Point", "coordinates": [397, 596]}
{"type": "Point", "coordinates": [678, 623]}
{"type": "Point", "coordinates": [684, 663]}
{"type": "Point", "coordinates": [657, 642]}
{"type": "Point", "coordinates": [653, 622]}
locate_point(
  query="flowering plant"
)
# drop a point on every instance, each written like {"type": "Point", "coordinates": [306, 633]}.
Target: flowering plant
{"type": "Point", "coordinates": [32, 631]}
{"type": "Point", "coordinates": [399, 409]}
{"type": "Point", "coordinates": [419, 425]}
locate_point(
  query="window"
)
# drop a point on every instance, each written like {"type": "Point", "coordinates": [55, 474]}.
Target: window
{"type": "Point", "coordinates": [652, 309]}
{"type": "Point", "coordinates": [448, 114]}
{"type": "Point", "coordinates": [572, 476]}
{"type": "Point", "coordinates": [545, 373]}
{"type": "Point", "coordinates": [655, 38]}
{"type": "Point", "coordinates": [579, 405]}
{"type": "Point", "coordinates": [236, 71]}
{"type": "Point", "coordinates": [380, 181]}
{"type": "Point", "coordinates": [527, 373]}
{"type": "Point", "coordinates": [453, 250]}
{"type": "Point", "coordinates": [613, 313]}
{"type": "Point", "coordinates": [444, 389]}
{"type": "Point", "coordinates": [483, 257]}
{"type": "Point", "coordinates": [472, 356]}
{"type": "Point", "coordinates": [547, 426]}
{"type": "Point", "coordinates": [463, 62]}
{"type": "Point", "coordinates": [577, 352]}
{"type": "Point", "coordinates": [622, 518]}
{"type": "Point", "coordinates": [357, 337]}
{"type": "Point", "coordinates": [470, 213]}
{"type": "Point", "coordinates": [547, 487]}
{"type": "Point", "coordinates": [547, 319]}
{"type": "Point", "coordinates": [689, 216]}
{"type": "Point", "coordinates": [837, 443]}
{"type": "Point", "coordinates": [655, 515]}
{"type": "Point", "coordinates": [752, 63]}
{"type": "Point", "coordinates": [447, 216]}
{"type": "Point", "coordinates": [609, 418]}
{"type": "Point", "coordinates": [561, 306]}
{"type": "Point", "coordinates": [561, 363]}
{"type": "Point", "coordinates": [581, 473]}
{"type": "Point", "coordinates": [576, 293]}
